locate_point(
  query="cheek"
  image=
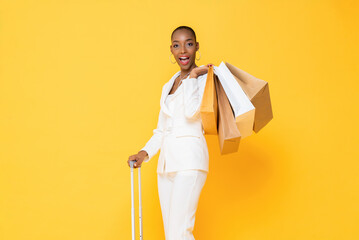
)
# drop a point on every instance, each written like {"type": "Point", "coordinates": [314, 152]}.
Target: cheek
{"type": "Point", "coordinates": [193, 50]}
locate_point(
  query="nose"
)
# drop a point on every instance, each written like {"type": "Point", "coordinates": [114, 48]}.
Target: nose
{"type": "Point", "coordinates": [183, 49]}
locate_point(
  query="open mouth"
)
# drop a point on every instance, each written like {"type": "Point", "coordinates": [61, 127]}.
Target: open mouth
{"type": "Point", "coordinates": [184, 60]}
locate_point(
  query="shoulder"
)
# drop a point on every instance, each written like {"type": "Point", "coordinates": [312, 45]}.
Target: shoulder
{"type": "Point", "coordinates": [165, 86]}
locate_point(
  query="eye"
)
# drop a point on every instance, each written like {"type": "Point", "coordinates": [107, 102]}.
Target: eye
{"type": "Point", "coordinates": [190, 44]}
{"type": "Point", "coordinates": [175, 45]}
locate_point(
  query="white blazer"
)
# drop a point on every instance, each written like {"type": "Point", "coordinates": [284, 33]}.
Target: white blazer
{"type": "Point", "coordinates": [179, 133]}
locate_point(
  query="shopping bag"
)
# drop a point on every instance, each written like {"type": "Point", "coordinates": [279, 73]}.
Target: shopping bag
{"type": "Point", "coordinates": [228, 134]}
{"type": "Point", "coordinates": [209, 107]}
{"type": "Point", "coordinates": [257, 91]}
{"type": "Point", "coordinates": [244, 110]}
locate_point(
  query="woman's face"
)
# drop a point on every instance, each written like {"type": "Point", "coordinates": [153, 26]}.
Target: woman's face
{"type": "Point", "coordinates": [184, 48]}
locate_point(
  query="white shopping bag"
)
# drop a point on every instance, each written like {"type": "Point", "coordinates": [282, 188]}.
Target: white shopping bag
{"type": "Point", "coordinates": [244, 110]}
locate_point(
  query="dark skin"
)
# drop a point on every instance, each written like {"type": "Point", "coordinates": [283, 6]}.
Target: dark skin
{"type": "Point", "coordinates": [183, 44]}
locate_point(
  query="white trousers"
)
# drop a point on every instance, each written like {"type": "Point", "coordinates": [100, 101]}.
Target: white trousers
{"type": "Point", "coordinates": [179, 194]}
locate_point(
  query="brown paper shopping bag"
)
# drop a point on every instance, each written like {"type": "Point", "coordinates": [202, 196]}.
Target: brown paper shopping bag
{"type": "Point", "coordinates": [257, 91]}
{"type": "Point", "coordinates": [228, 133]}
{"type": "Point", "coordinates": [244, 110]}
{"type": "Point", "coordinates": [209, 107]}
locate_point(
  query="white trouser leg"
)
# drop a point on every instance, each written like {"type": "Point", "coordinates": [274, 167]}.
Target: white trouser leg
{"type": "Point", "coordinates": [165, 182]}
{"type": "Point", "coordinates": [179, 194]}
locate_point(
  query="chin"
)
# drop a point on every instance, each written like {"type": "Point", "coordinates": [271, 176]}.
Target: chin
{"type": "Point", "coordinates": [188, 66]}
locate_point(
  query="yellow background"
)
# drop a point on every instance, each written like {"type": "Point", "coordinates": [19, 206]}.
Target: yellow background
{"type": "Point", "coordinates": [80, 84]}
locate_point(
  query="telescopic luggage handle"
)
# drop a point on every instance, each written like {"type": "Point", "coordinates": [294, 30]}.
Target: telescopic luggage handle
{"type": "Point", "coordinates": [133, 202]}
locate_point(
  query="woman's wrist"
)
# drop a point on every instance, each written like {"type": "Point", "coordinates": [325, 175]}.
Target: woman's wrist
{"type": "Point", "coordinates": [143, 152]}
{"type": "Point", "coordinates": [193, 75]}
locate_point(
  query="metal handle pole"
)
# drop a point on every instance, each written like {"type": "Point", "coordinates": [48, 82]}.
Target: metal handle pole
{"type": "Point", "coordinates": [132, 203]}
{"type": "Point", "coordinates": [140, 202]}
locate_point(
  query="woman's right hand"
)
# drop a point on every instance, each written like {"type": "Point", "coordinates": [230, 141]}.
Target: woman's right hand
{"type": "Point", "coordinates": [197, 71]}
{"type": "Point", "coordinates": [139, 157]}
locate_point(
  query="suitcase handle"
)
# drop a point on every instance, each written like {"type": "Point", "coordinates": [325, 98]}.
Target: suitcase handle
{"type": "Point", "coordinates": [133, 202]}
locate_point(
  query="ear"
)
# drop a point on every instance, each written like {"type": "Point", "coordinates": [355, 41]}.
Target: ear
{"type": "Point", "coordinates": [197, 46]}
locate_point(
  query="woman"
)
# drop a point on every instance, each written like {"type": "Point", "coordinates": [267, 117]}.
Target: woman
{"type": "Point", "coordinates": [183, 162]}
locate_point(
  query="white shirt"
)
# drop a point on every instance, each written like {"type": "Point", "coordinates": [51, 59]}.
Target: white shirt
{"type": "Point", "coordinates": [170, 97]}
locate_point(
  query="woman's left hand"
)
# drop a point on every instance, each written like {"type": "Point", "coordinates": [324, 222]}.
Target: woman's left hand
{"type": "Point", "coordinates": [197, 71]}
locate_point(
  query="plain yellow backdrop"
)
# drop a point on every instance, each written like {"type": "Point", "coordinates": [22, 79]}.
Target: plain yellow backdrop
{"type": "Point", "coordinates": [80, 84]}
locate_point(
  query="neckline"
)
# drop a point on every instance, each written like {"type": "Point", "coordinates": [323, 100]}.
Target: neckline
{"type": "Point", "coordinates": [175, 91]}
{"type": "Point", "coordinates": [178, 73]}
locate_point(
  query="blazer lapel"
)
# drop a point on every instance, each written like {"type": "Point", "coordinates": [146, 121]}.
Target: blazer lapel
{"type": "Point", "coordinates": [166, 92]}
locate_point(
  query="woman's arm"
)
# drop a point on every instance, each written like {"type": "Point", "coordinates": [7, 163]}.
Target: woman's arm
{"type": "Point", "coordinates": [154, 144]}
{"type": "Point", "coordinates": [193, 89]}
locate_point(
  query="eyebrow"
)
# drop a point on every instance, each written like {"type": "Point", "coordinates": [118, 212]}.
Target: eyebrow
{"type": "Point", "coordinates": [186, 40]}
